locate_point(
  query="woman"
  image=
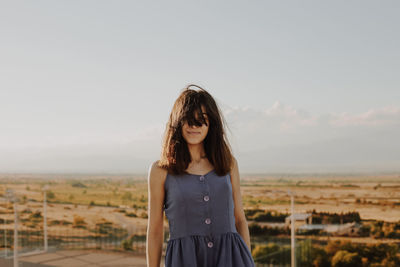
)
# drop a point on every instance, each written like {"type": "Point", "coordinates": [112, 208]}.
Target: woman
{"type": "Point", "coordinates": [196, 182]}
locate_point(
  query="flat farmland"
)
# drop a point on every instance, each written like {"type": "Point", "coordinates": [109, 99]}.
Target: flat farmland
{"type": "Point", "coordinates": [375, 197]}
{"type": "Point", "coordinates": [122, 199]}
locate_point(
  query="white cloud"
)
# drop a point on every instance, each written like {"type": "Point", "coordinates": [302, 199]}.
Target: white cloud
{"type": "Point", "coordinates": [283, 138]}
{"type": "Point", "coordinates": [280, 138]}
{"type": "Point", "coordinates": [373, 117]}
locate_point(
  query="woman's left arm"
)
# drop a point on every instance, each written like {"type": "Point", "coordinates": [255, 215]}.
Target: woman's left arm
{"type": "Point", "coordinates": [240, 218]}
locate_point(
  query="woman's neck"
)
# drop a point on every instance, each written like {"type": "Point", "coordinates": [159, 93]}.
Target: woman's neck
{"type": "Point", "coordinates": [197, 152]}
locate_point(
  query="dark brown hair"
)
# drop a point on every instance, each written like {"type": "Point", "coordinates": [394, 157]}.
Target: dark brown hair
{"type": "Point", "coordinates": [175, 155]}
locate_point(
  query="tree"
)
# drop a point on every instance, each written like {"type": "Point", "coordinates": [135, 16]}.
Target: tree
{"type": "Point", "coordinates": [343, 258]}
{"type": "Point", "coordinates": [319, 257]}
{"type": "Point", "coordinates": [50, 195]}
{"type": "Point", "coordinates": [264, 250]}
{"type": "Point", "coordinates": [79, 222]}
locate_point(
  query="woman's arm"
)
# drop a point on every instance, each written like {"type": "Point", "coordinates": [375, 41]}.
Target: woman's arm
{"type": "Point", "coordinates": [155, 224]}
{"type": "Point", "coordinates": [240, 218]}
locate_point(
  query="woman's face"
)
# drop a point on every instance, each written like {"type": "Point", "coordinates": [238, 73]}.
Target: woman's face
{"type": "Point", "coordinates": [195, 134]}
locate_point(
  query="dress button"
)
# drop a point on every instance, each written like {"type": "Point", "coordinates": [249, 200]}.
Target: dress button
{"type": "Point", "coordinates": [201, 178]}
{"type": "Point", "coordinates": [210, 244]}
{"type": "Point", "coordinates": [208, 221]}
{"type": "Point", "coordinates": [206, 198]}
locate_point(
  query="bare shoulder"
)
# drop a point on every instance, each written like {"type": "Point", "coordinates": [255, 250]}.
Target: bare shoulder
{"type": "Point", "coordinates": [156, 173]}
{"type": "Point", "coordinates": [155, 167]}
{"type": "Point", "coordinates": [156, 195]}
{"type": "Point", "coordinates": [234, 172]}
{"type": "Point", "coordinates": [234, 163]}
{"type": "Point", "coordinates": [234, 166]}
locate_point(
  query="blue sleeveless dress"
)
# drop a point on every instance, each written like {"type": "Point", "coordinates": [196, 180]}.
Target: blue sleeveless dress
{"type": "Point", "coordinates": [202, 231]}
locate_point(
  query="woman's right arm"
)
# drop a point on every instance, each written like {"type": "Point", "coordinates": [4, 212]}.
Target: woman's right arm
{"type": "Point", "coordinates": [155, 224]}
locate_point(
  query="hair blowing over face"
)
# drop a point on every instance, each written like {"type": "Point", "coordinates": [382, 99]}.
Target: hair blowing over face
{"type": "Point", "coordinates": [175, 155]}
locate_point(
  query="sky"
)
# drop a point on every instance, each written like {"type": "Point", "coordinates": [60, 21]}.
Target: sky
{"type": "Point", "coordinates": [305, 86]}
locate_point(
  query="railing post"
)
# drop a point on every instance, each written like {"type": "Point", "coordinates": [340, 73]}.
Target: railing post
{"type": "Point", "coordinates": [45, 188]}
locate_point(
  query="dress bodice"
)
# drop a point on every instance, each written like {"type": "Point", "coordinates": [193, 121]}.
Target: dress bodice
{"type": "Point", "coordinates": [199, 204]}
{"type": "Point", "coordinates": [202, 231]}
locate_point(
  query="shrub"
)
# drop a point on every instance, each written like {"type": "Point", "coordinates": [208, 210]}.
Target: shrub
{"type": "Point", "coordinates": [79, 222]}
{"type": "Point", "coordinates": [319, 258]}
{"type": "Point", "coordinates": [50, 195]}
{"type": "Point", "coordinates": [263, 250]}
{"type": "Point", "coordinates": [79, 185]}
{"type": "Point", "coordinates": [343, 258]}
{"type": "Point", "coordinates": [127, 244]}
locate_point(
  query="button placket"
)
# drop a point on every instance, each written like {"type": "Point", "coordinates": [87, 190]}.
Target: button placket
{"type": "Point", "coordinates": [207, 218]}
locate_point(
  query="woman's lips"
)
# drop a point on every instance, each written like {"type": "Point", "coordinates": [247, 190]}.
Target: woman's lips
{"type": "Point", "coordinates": [193, 132]}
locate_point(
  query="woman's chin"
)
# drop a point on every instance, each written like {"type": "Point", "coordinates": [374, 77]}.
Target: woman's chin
{"type": "Point", "coordinates": [194, 141]}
